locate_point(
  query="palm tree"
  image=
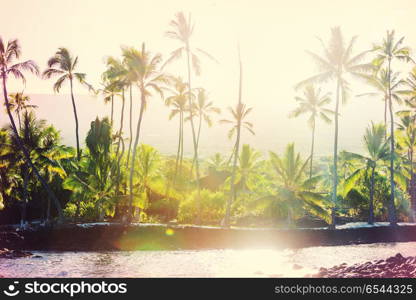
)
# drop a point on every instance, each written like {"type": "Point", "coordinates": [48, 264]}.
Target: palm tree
{"type": "Point", "coordinates": [110, 90]}
{"type": "Point", "coordinates": [313, 103]}
{"type": "Point", "coordinates": [131, 78]}
{"type": "Point", "coordinates": [292, 192]}
{"type": "Point", "coordinates": [178, 100]}
{"type": "Point", "coordinates": [8, 67]}
{"type": "Point", "coordinates": [238, 122]}
{"type": "Point", "coordinates": [380, 82]}
{"type": "Point", "coordinates": [203, 109]}
{"type": "Point", "coordinates": [63, 64]}
{"type": "Point", "coordinates": [182, 30]}
{"type": "Point", "coordinates": [377, 148]}
{"type": "Point", "coordinates": [406, 142]}
{"type": "Point", "coordinates": [248, 168]}
{"type": "Point", "coordinates": [116, 73]}
{"type": "Point", "coordinates": [391, 49]}
{"type": "Point", "coordinates": [149, 78]}
{"type": "Point", "coordinates": [336, 63]}
{"type": "Point", "coordinates": [18, 103]}
{"type": "Point", "coordinates": [42, 142]}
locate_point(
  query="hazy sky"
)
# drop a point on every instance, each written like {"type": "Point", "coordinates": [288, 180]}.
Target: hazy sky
{"type": "Point", "coordinates": [273, 37]}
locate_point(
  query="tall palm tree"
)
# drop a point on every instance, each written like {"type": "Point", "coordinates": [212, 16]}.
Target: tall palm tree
{"type": "Point", "coordinates": [377, 148]}
{"type": "Point", "coordinates": [203, 109]}
{"type": "Point", "coordinates": [389, 50]}
{"type": "Point", "coordinates": [116, 73]}
{"type": "Point", "coordinates": [18, 103]}
{"type": "Point", "coordinates": [182, 30]}
{"type": "Point", "coordinates": [238, 122]}
{"type": "Point", "coordinates": [380, 82]}
{"type": "Point", "coordinates": [336, 63]}
{"type": "Point", "coordinates": [109, 91]}
{"type": "Point", "coordinates": [63, 64]}
{"type": "Point", "coordinates": [314, 104]}
{"type": "Point", "coordinates": [8, 67]}
{"type": "Point", "coordinates": [178, 100]}
{"type": "Point", "coordinates": [149, 78]}
{"type": "Point", "coordinates": [131, 79]}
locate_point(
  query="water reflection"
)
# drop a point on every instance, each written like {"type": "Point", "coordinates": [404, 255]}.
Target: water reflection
{"type": "Point", "coordinates": [204, 263]}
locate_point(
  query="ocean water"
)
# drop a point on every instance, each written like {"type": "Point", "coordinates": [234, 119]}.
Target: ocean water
{"type": "Point", "coordinates": [273, 128]}
{"type": "Point", "coordinates": [200, 263]}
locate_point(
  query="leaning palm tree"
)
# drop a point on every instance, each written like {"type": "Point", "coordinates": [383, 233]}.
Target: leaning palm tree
{"type": "Point", "coordinates": [336, 63]}
{"type": "Point", "coordinates": [18, 103]}
{"type": "Point", "coordinates": [238, 122]}
{"type": "Point", "coordinates": [314, 104]}
{"type": "Point", "coordinates": [63, 64]}
{"type": "Point", "coordinates": [389, 50]}
{"type": "Point", "coordinates": [8, 67]}
{"type": "Point", "coordinates": [377, 148]}
{"type": "Point", "coordinates": [149, 77]}
{"type": "Point", "coordinates": [182, 30]}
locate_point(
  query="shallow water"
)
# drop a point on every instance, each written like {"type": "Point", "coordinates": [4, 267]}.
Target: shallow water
{"type": "Point", "coordinates": [201, 263]}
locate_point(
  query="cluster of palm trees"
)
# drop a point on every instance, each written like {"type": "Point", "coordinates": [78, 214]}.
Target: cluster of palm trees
{"type": "Point", "coordinates": [338, 62]}
{"type": "Point", "coordinates": [122, 180]}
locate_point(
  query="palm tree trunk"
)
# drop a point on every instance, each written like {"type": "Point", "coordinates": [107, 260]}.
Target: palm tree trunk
{"type": "Point", "coordinates": [312, 148]}
{"type": "Point", "coordinates": [385, 117]}
{"type": "Point", "coordinates": [179, 148]}
{"type": "Point", "coordinates": [391, 207]}
{"type": "Point", "coordinates": [335, 175]}
{"type": "Point", "coordinates": [197, 139]}
{"type": "Point", "coordinates": [26, 153]}
{"type": "Point", "coordinates": [131, 126]}
{"type": "Point", "coordinates": [133, 157]}
{"type": "Point", "coordinates": [233, 173]}
{"type": "Point", "coordinates": [74, 107]}
{"type": "Point", "coordinates": [198, 221]}
{"type": "Point", "coordinates": [182, 149]}
{"type": "Point", "coordinates": [236, 149]}
{"type": "Point", "coordinates": [112, 108]}
{"type": "Point", "coordinates": [26, 195]}
{"type": "Point", "coordinates": [199, 129]}
{"type": "Point", "coordinates": [371, 204]}
{"type": "Point", "coordinates": [121, 123]}
{"type": "Point", "coordinates": [20, 122]}
{"type": "Point", "coordinates": [117, 190]}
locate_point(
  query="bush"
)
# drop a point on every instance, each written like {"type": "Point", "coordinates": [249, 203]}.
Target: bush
{"type": "Point", "coordinates": [212, 208]}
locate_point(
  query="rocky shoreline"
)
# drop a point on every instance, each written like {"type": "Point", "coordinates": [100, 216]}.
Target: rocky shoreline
{"type": "Point", "coordinates": [393, 267]}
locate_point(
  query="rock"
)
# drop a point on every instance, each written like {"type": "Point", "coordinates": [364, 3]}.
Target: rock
{"type": "Point", "coordinates": [393, 267]}
{"type": "Point", "coordinates": [6, 253]}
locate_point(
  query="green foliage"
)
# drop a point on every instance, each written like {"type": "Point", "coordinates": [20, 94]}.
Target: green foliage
{"type": "Point", "coordinates": [212, 208]}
